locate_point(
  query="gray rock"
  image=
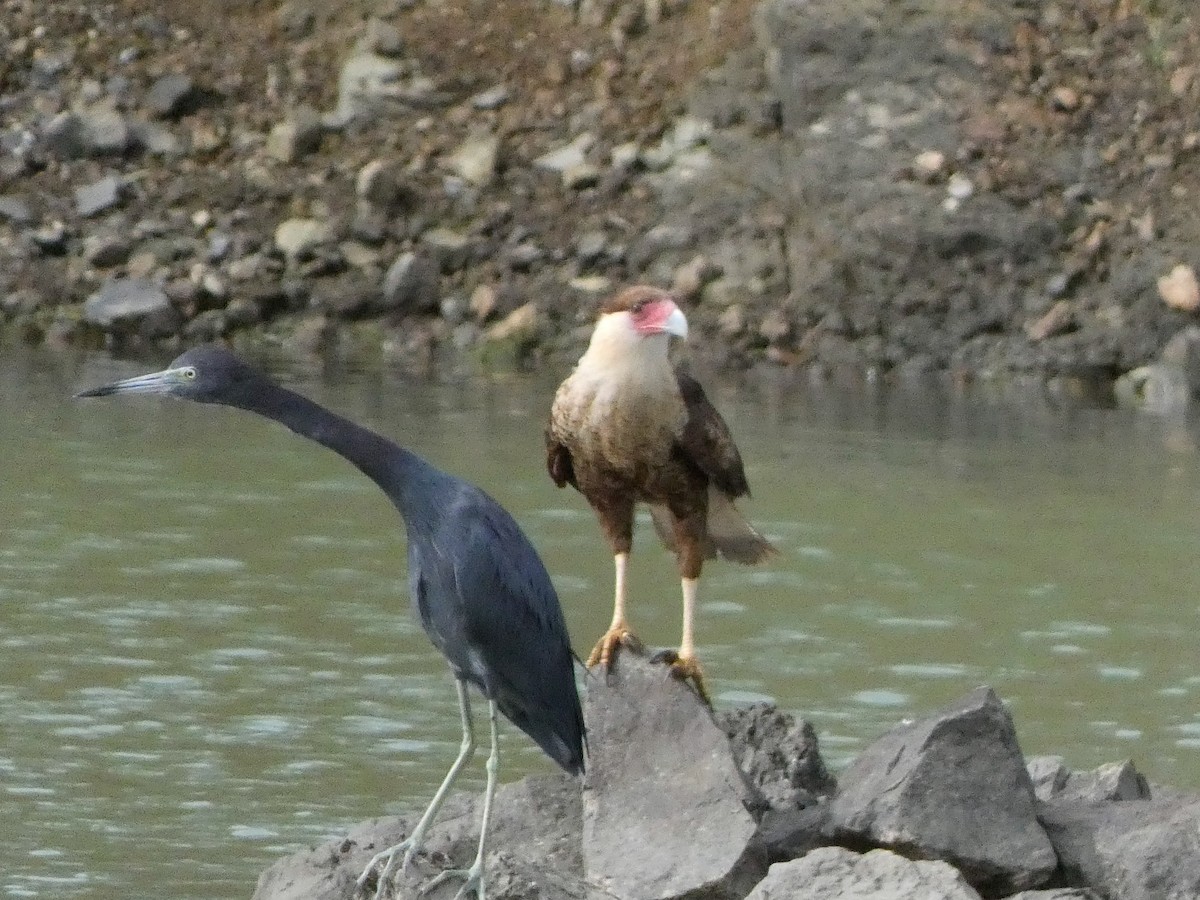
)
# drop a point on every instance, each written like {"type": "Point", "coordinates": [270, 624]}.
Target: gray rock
{"type": "Point", "coordinates": [299, 135]}
{"type": "Point", "coordinates": [98, 196]}
{"type": "Point", "coordinates": [171, 96]}
{"type": "Point", "coordinates": [63, 136]}
{"type": "Point", "coordinates": [382, 185]}
{"type": "Point", "coordinates": [366, 84]}
{"type": "Point", "coordinates": [104, 131]}
{"type": "Point", "coordinates": [1111, 781]}
{"type": "Point", "coordinates": [567, 156]}
{"type": "Point", "coordinates": [106, 250]}
{"type": "Point", "coordinates": [535, 832]}
{"type": "Point", "coordinates": [15, 210]}
{"type": "Point", "coordinates": [1049, 775]}
{"type": "Point", "coordinates": [778, 755]}
{"type": "Point", "coordinates": [450, 248]}
{"type": "Point", "coordinates": [51, 238]}
{"type": "Point", "coordinates": [411, 284]}
{"type": "Point", "coordinates": [154, 138]}
{"type": "Point", "coordinates": [1135, 850]}
{"type": "Point", "coordinates": [1057, 894]}
{"type": "Point", "coordinates": [124, 301]}
{"type": "Point", "coordinates": [475, 159]}
{"type": "Point", "coordinates": [657, 761]}
{"type": "Point", "coordinates": [297, 239]}
{"type": "Point", "coordinates": [492, 98]}
{"type": "Point", "coordinates": [834, 873]}
{"type": "Point", "coordinates": [951, 787]}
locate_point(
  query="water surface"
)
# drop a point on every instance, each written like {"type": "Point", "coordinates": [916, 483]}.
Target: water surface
{"type": "Point", "coordinates": [207, 660]}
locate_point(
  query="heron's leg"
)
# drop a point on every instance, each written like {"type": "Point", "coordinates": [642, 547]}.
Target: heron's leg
{"type": "Point", "coordinates": [474, 875]}
{"type": "Point", "coordinates": [683, 661]}
{"type": "Point", "coordinates": [618, 632]}
{"type": "Point", "coordinates": [410, 845]}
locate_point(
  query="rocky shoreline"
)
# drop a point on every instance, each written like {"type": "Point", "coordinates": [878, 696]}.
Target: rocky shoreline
{"type": "Point", "coordinates": [889, 187]}
{"type": "Point", "coordinates": [679, 804]}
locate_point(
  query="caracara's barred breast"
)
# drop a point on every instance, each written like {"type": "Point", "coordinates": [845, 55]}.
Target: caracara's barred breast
{"type": "Point", "coordinates": [617, 430]}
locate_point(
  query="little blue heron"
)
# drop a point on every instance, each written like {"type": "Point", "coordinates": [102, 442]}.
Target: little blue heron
{"type": "Point", "coordinates": [477, 585]}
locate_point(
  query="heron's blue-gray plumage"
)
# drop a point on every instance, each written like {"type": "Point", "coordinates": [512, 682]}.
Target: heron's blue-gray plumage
{"type": "Point", "coordinates": [479, 588]}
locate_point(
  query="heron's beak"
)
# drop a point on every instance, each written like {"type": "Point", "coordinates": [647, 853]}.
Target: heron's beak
{"type": "Point", "coordinates": [676, 323]}
{"type": "Point", "coordinates": [154, 383]}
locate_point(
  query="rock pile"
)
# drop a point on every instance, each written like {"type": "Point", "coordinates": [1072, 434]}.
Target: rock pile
{"type": "Point", "coordinates": [834, 183]}
{"type": "Point", "coordinates": [679, 804]}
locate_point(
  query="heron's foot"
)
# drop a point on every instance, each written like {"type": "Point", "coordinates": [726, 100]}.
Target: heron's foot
{"type": "Point", "coordinates": [685, 668]}
{"type": "Point", "coordinates": [396, 857]}
{"type": "Point", "coordinates": [606, 648]}
{"type": "Point", "coordinates": [473, 883]}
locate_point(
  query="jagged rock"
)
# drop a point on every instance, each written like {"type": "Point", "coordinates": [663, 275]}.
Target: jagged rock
{"type": "Point", "coordinates": [834, 873]}
{"type": "Point", "coordinates": [366, 83]}
{"type": "Point", "coordinates": [104, 131]}
{"type": "Point", "coordinates": [952, 787]}
{"type": "Point", "coordinates": [664, 805]}
{"type": "Point", "coordinates": [778, 755]}
{"type": "Point", "coordinates": [121, 301]}
{"type": "Point", "coordinates": [535, 831]}
{"type": "Point", "coordinates": [1132, 850]}
{"type": "Point", "coordinates": [1057, 894]}
{"type": "Point", "coordinates": [1111, 781]}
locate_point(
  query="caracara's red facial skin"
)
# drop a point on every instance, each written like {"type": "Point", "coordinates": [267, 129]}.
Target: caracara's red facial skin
{"type": "Point", "coordinates": [650, 316]}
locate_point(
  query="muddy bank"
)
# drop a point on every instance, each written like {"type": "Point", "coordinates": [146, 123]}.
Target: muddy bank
{"type": "Point", "coordinates": [888, 187]}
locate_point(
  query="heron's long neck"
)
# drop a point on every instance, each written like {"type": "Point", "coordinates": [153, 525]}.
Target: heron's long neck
{"type": "Point", "coordinates": [400, 473]}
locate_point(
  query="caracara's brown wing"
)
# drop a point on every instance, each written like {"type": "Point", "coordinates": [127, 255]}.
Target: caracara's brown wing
{"type": "Point", "coordinates": [558, 461]}
{"type": "Point", "coordinates": [707, 443]}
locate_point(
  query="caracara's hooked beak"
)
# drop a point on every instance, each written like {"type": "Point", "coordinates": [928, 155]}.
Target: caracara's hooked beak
{"type": "Point", "coordinates": [154, 383]}
{"type": "Point", "coordinates": [662, 317]}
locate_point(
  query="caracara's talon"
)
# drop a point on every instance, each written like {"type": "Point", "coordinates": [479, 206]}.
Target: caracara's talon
{"type": "Point", "coordinates": [685, 669]}
{"type": "Point", "coordinates": [606, 648]}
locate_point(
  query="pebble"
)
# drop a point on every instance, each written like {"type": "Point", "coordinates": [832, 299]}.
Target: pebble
{"type": "Point", "coordinates": [566, 156]}
{"type": "Point", "coordinates": [411, 284]}
{"type": "Point", "coordinates": [492, 98]}
{"type": "Point", "coordinates": [1179, 289]}
{"type": "Point", "coordinates": [98, 196]}
{"type": "Point", "coordinates": [298, 238]}
{"type": "Point", "coordinates": [297, 136]}
{"type": "Point", "coordinates": [475, 159]}
{"type": "Point", "coordinates": [170, 96]}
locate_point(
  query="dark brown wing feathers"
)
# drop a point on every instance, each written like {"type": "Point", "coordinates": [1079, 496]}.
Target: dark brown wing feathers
{"type": "Point", "coordinates": [707, 443]}
{"type": "Point", "coordinates": [559, 463]}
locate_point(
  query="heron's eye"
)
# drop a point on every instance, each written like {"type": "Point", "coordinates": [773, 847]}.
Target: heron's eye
{"type": "Point", "coordinates": [189, 373]}
{"type": "Point", "coordinates": [639, 307]}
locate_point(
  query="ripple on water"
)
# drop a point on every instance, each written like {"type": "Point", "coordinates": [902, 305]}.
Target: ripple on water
{"type": "Point", "coordinates": [930, 670]}
{"type": "Point", "coordinates": [881, 698]}
{"type": "Point", "coordinates": [1119, 673]}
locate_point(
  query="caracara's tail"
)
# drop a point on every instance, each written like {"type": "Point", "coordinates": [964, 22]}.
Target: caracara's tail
{"type": "Point", "coordinates": [729, 534]}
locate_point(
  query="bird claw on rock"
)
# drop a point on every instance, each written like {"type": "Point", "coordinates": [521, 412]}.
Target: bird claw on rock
{"type": "Point", "coordinates": [606, 648]}
{"type": "Point", "coordinates": [472, 885]}
{"type": "Point", "coordinates": [388, 857]}
{"type": "Point", "coordinates": [687, 669]}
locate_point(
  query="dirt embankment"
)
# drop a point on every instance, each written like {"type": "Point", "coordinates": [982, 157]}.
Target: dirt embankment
{"type": "Point", "coordinates": [895, 186]}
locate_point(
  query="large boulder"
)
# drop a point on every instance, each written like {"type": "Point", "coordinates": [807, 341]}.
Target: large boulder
{"type": "Point", "coordinates": [1129, 850]}
{"type": "Point", "coordinates": [834, 873]}
{"type": "Point", "coordinates": [666, 812]}
{"type": "Point", "coordinates": [952, 787]}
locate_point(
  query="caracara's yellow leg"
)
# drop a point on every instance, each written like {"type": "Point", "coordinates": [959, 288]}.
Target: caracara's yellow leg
{"type": "Point", "coordinates": [618, 633]}
{"type": "Point", "coordinates": [683, 662]}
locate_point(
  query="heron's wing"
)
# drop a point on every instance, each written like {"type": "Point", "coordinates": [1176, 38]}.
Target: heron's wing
{"type": "Point", "coordinates": [512, 619]}
{"type": "Point", "coordinates": [707, 443]}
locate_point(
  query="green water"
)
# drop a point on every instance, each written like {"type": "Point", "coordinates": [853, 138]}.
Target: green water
{"type": "Point", "coordinates": [207, 660]}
